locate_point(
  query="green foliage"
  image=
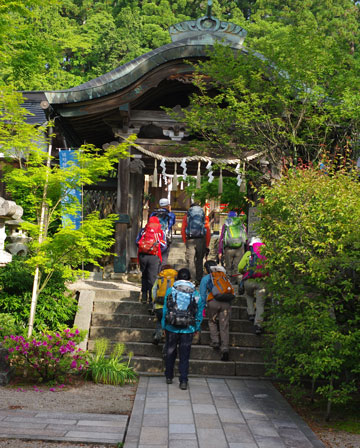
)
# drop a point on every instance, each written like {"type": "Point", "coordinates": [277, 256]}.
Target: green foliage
{"type": "Point", "coordinates": [56, 305]}
{"type": "Point", "coordinates": [54, 45]}
{"type": "Point", "coordinates": [309, 223]}
{"type": "Point", "coordinates": [8, 325]}
{"type": "Point", "coordinates": [293, 93]}
{"type": "Point", "coordinates": [49, 356]}
{"type": "Point", "coordinates": [231, 194]}
{"type": "Point", "coordinates": [110, 370]}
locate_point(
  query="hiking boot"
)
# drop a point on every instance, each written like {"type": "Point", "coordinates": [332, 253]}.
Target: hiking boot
{"type": "Point", "coordinates": [215, 345]}
{"type": "Point", "coordinates": [225, 356]}
{"type": "Point", "coordinates": [183, 385]}
{"type": "Point", "coordinates": [251, 317]}
{"type": "Point", "coordinates": [168, 380]}
{"type": "Point", "coordinates": [258, 329]}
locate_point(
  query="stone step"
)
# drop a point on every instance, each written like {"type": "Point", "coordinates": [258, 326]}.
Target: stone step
{"type": "Point", "coordinates": [148, 321]}
{"type": "Point", "coordinates": [118, 334]}
{"type": "Point", "coordinates": [116, 295]}
{"type": "Point", "coordinates": [200, 352]}
{"type": "Point", "coordinates": [201, 367]}
{"type": "Point", "coordinates": [138, 308]}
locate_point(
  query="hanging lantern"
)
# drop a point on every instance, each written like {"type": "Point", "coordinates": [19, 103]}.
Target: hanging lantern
{"type": "Point", "coordinates": [181, 185]}
{"type": "Point", "coordinates": [155, 175]}
{"type": "Point", "coordinates": [198, 176]}
{"type": "Point", "coordinates": [175, 179]}
{"type": "Point", "coordinates": [220, 188]}
{"type": "Point", "coordinates": [160, 181]}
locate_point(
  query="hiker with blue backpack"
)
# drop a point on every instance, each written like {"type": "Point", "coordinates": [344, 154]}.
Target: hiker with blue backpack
{"type": "Point", "coordinates": [195, 232]}
{"type": "Point", "coordinates": [232, 241]}
{"type": "Point", "coordinates": [253, 279]}
{"type": "Point", "coordinates": [182, 317]}
{"type": "Point", "coordinates": [167, 219]}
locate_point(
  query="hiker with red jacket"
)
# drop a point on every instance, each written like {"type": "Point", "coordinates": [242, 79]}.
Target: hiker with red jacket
{"type": "Point", "coordinates": [217, 291]}
{"type": "Point", "coordinates": [195, 232]}
{"type": "Point", "coordinates": [150, 240]}
{"type": "Point", "coordinates": [252, 265]}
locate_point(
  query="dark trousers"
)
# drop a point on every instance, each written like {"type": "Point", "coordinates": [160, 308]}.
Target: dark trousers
{"type": "Point", "coordinates": [149, 267]}
{"type": "Point", "coordinates": [165, 255]}
{"type": "Point", "coordinates": [178, 342]}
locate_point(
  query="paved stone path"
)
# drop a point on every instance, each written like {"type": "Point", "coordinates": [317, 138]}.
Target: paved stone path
{"type": "Point", "coordinates": [215, 413]}
{"type": "Point", "coordinates": [212, 413]}
{"type": "Point", "coordinates": [64, 427]}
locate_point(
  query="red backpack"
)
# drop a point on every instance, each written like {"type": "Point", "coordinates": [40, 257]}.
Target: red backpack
{"type": "Point", "coordinates": [149, 242]}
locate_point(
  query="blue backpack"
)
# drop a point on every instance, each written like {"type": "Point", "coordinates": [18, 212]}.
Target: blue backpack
{"type": "Point", "coordinates": [164, 218]}
{"type": "Point", "coordinates": [181, 305]}
{"type": "Point", "coordinates": [195, 222]}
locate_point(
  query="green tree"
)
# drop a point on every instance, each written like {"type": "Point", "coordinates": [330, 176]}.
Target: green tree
{"type": "Point", "coordinates": [309, 224]}
{"type": "Point", "coordinates": [40, 186]}
{"type": "Point", "coordinates": [293, 93]}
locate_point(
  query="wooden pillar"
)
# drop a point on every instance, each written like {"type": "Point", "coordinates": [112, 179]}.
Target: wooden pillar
{"type": "Point", "coordinates": [121, 257]}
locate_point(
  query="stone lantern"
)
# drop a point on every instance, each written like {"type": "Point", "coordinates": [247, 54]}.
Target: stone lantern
{"type": "Point", "coordinates": [8, 211]}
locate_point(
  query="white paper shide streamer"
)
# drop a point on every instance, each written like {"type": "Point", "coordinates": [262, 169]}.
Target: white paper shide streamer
{"type": "Point", "coordinates": [210, 172]}
{"type": "Point", "coordinates": [163, 166]}
{"type": "Point", "coordinates": [239, 177]}
{"type": "Point", "coordinates": [183, 166]}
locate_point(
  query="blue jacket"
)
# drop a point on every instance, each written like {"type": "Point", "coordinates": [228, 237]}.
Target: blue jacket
{"type": "Point", "coordinates": [206, 286]}
{"type": "Point", "coordinates": [198, 317]}
{"type": "Point", "coordinates": [172, 216]}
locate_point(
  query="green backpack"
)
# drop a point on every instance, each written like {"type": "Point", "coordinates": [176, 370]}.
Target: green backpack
{"type": "Point", "coordinates": [235, 233]}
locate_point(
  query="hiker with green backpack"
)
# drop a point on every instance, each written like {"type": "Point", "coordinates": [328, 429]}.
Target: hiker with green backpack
{"type": "Point", "coordinates": [231, 243]}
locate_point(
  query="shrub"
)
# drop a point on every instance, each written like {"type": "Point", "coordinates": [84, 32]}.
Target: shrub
{"type": "Point", "coordinates": [49, 356]}
{"type": "Point", "coordinates": [8, 325]}
{"type": "Point", "coordinates": [310, 221]}
{"type": "Point", "coordinates": [56, 306]}
{"type": "Point", "coordinates": [110, 370]}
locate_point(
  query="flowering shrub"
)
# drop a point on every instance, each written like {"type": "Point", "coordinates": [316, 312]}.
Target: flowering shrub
{"type": "Point", "coordinates": [49, 356]}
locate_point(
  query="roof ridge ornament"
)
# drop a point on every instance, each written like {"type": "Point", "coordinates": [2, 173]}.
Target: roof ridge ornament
{"type": "Point", "coordinates": [193, 29]}
{"type": "Point", "coordinates": [208, 10]}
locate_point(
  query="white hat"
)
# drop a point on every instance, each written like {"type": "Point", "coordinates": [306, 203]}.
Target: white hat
{"type": "Point", "coordinates": [218, 269]}
{"type": "Point", "coordinates": [254, 240]}
{"type": "Point", "coordinates": [164, 202]}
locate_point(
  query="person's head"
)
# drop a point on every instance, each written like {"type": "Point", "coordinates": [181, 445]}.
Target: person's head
{"type": "Point", "coordinates": [184, 274]}
{"type": "Point", "coordinates": [254, 240]}
{"type": "Point", "coordinates": [232, 214]}
{"type": "Point", "coordinates": [208, 265]}
{"type": "Point", "coordinates": [164, 203]}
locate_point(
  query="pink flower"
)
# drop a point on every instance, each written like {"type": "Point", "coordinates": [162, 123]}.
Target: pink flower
{"type": "Point", "coordinates": [52, 389]}
{"type": "Point", "coordinates": [77, 331]}
{"type": "Point", "coordinates": [73, 365]}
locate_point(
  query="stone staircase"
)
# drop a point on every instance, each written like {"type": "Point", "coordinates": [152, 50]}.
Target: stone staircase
{"type": "Point", "coordinates": [121, 317]}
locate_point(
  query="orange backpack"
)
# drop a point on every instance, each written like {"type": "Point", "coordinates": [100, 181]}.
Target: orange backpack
{"type": "Point", "coordinates": [222, 289]}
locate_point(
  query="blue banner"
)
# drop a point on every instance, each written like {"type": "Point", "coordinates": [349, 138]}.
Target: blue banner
{"type": "Point", "coordinates": [68, 157]}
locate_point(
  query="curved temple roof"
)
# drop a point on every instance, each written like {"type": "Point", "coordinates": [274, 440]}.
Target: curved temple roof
{"type": "Point", "coordinates": [190, 39]}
